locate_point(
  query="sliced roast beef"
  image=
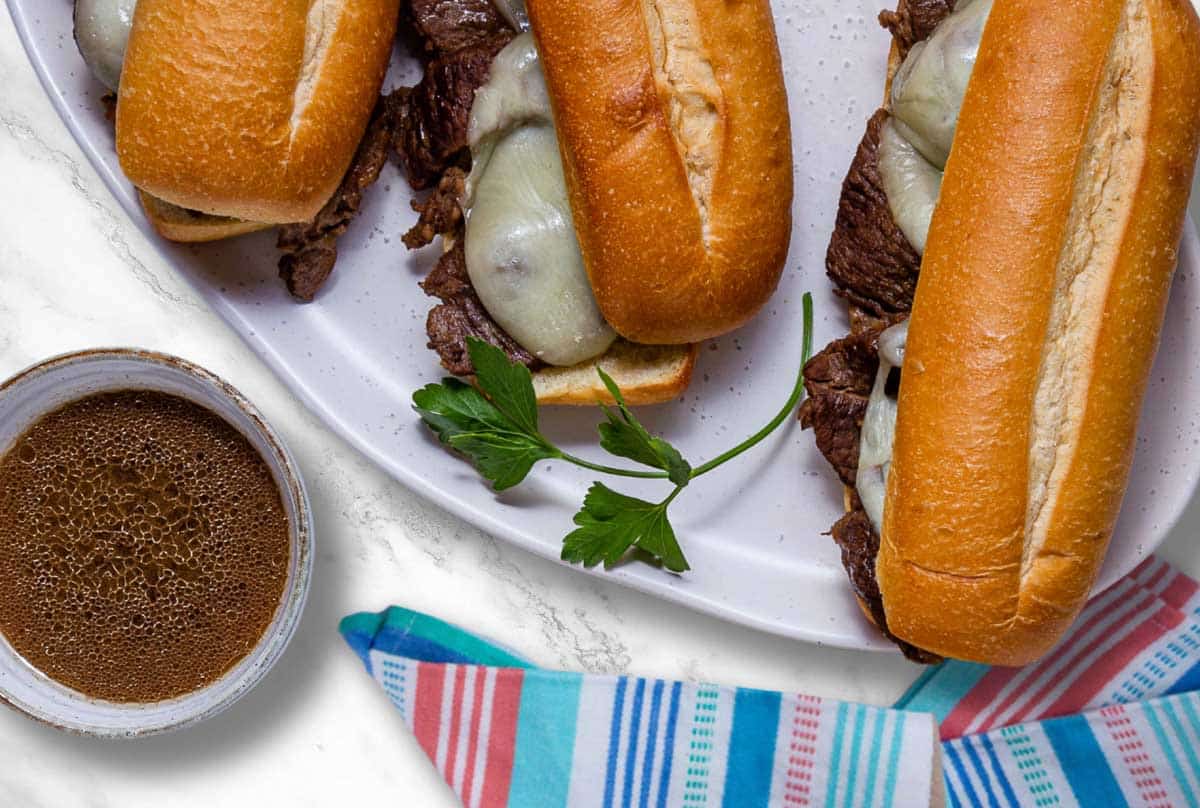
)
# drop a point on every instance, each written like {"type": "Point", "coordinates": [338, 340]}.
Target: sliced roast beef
{"type": "Point", "coordinates": [914, 20]}
{"type": "Point", "coordinates": [462, 315]}
{"type": "Point", "coordinates": [428, 123]}
{"type": "Point", "coordinates": [434, 115]}
{"type": "Point", "coordinates": [431, 141]}
{"type": "Point", "coordinates": [310, 248]}
{"type": "Point", "coordinates": [839, 381]}
{"type": "Point", "coordinates": [440, 212]}
{"type": "Point", "coordinates": [859, 544]}
{"type": "Point", "coordinates": [874, 268]}
{"type": "Point", "coordinates": [446, 26]}
{"type": "Point", "coordinates": [869, 259]}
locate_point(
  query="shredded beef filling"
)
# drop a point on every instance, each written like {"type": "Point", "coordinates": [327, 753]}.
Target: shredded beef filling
{"type": "Point", "coordinates": [446, 26]}
{"type": "Point", "coordinates": [462, 315]}
{"type": "Point", "coordinates": [432, 135]}
{"type": "Point", "coordinates": [870, 261]}
{"type": "Point", "coordinates": [426, 124]}
{"type": "Point", "coordinates": [874, 268]}
{"type": "Point", "coordinates": [839, 382]}
{"type": "Point", "coordinates": [460, 39]}
{"type": "Point", "coordinates": [439, 212]}
{"type": "Point", "coordinates": [914, 20]}
{"type": "Point", "coordinates": [310, 248]}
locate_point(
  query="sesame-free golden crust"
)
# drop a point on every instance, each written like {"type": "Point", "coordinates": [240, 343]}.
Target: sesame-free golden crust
{"type": "Point", "coordinates": [250, 110]}
{"type": "Point", "coordinates": [665, 271]}
{"type": "Point", "coordinates": [1017, 425]}
{"type": "Point", "coordinates": [646, 374]}
{"type": "Point", "coordinates": [177, 224]}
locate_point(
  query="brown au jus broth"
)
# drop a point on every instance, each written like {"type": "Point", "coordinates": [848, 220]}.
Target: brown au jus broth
{"type": "Point", "coordinates": [143, 546]}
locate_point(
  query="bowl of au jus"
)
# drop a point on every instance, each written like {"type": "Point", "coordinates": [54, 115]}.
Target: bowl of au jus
{"type": "Point", "coordinates": [155, 543]}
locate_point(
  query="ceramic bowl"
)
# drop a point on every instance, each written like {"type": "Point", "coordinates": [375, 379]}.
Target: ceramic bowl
{"type": "Point", "coordinates": [44, 387]}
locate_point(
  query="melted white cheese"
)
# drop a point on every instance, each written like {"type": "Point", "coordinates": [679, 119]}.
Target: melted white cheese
{"type": "Point", "coordinates": [927, 95]}
{"type": "Point", "coordinates": [928, 90]}
{"type": "Point", "coordinates": [102, 31]}
{"type": "Point", "coordinates": [879, 427]}
{"type": "Point", "coordinates": [912, 185]}
{"type": "Point", "coordinates": [914, 145]}
{"type": "Point", "coordinates": [515, 94]}
{"type": "Point", "coordinates": [522, 253]}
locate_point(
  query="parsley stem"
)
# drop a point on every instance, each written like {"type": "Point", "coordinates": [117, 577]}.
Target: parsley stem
{"type": "Point", "coordinates": [793, 400]}
{"type": "Point", "coordinates": [641, 475]}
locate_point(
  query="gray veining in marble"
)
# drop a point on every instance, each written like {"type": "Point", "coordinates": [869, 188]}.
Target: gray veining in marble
{"type": "Point", "coordinates": [75, 273]}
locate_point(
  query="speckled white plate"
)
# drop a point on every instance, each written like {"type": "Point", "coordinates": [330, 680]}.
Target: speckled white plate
{"type": "Point", "coordinates": [753, 531]}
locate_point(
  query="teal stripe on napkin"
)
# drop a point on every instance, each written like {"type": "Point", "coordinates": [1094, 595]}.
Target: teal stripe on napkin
{"type": "Point", "coordinates": [545, 740]}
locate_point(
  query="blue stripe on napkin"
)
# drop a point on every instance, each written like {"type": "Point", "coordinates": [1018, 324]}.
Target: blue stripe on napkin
{"type": "Point", "coordinates": [526, 738]}
{"type": "Point", "coordinates": [669, 745]}
{"type": "Point", "coordinates": [1083, 762]}
{"type": "Point", "coordinates": [751, 749]}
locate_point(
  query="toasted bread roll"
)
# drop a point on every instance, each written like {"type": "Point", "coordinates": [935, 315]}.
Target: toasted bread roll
{"type": "Point", "coordinates": [646, 374]}
{"type": "Point", "coordinates": [179, 224]}
{"type": "Point", "coordinates": [250, 110]}
{"type": "Point", "coordinates": [1036, 320]}
{"type": "Point", "coordinates": [673, 126]}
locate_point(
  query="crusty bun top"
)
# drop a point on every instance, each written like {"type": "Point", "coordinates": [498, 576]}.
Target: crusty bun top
{"type": "Point", "coordinates": [1036, 320]}
{"type": "Point", "coordinates": [673, 126]}
{"type": "Point", "coordinates": [252, 109]}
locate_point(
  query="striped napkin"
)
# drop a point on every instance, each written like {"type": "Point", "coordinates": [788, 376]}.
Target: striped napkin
{"type": "Point", "coordinates": [1108, 718]}
{"type": "Point", "coordinates": [503, 733]}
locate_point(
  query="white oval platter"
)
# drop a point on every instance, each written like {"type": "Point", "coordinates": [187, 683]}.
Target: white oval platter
{"type": "Point", "coordinates": [754, 531]}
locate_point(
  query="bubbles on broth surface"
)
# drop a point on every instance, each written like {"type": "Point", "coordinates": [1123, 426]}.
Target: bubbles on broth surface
{"type": "Point", "coordinates": [143, 546]}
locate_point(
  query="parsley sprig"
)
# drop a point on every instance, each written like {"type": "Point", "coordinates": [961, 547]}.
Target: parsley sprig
{"type": "Point", "coordinates": [495, 425]}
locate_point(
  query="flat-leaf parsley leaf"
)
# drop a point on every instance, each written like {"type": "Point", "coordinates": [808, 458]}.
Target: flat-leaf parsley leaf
{"type": "Point", "coordinates": [624, 436]}
{"type": "Point", "coordinates": [509, 385]}
{"type": "Point", "coordinates": [496, 428]}
{"type": "Point", "coordinates": [468, 423]}
{"type": "Point", "coordinates": [610, 523]}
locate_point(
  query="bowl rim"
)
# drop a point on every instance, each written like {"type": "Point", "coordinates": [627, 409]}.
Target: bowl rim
{"type": "Point", "coordinates": [275, 640]}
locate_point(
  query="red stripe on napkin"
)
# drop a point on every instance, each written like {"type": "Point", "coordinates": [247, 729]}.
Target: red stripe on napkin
{"type": "Point", "coordinates": [502, 743]}
{"type": "Point", "coordinates": [473, 747]}
{"type": "Point", "coordinates": [1181, 590]}
{"type": "Point", "coordinates": [1101, 674]}
{"type": "Point", "coordinates": [1133, 754]}
{"type": "Point", "coordinates": [427, 713]}
{"type": "Point", "coordinates": [456, 707]}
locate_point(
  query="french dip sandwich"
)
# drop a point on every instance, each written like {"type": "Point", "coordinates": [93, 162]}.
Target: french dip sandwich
{"type": "Point", "coordinates": [240, 116]}
{"type": "Point", "coordinates": [612, 183]}
{"type": "Point", "coordinates": [1006, 240]}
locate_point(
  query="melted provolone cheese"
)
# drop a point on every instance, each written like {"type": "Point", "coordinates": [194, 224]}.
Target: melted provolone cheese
{"type": "Point", "coordinates": [928, 89]}
{"type": "Point", "coordinates": [102, 31]}
{"type": "Point", "coordinates": [912, 185]}
{"type": "Point", "coordinates": [879, 427]}
{"type": "Point", "coordinates": [522, 253]}
{"type": "Point", "coordinates": [927, 95]}
{"type": "Point", "coordinates": [515, 94]}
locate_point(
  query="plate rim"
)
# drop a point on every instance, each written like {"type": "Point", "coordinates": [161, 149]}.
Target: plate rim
{"type": "Point", "coordinates": [489, 524]}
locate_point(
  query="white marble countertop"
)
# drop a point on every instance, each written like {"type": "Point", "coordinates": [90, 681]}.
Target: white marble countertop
{"type": "Point", "coordinates": [75, 273]}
